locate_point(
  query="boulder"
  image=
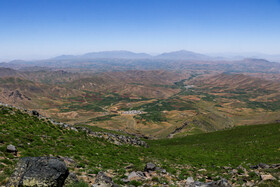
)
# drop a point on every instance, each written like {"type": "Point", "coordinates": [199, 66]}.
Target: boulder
{"type": "Point", "coordinates": [39, 171]}
{"type": "Point", "coordinates": [150, 167]}
{"type": "Point", "coordinates": [12, 149]}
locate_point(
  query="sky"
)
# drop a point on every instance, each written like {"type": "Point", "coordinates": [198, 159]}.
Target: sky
{"type": "Point", "coordinates": [34, 29]}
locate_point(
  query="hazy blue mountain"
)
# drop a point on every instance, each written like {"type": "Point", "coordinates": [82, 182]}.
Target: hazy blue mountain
{"type": "Point", "coordinates": [183, 55]}
{"type": "Point", "coordinates": [116, 54]}
{"type": "Point", "coordinates": [106, 54]}
{"type": "Point", "coordinates": [240, 56]}
{"type": "Point", "coordinates": [64, 57]}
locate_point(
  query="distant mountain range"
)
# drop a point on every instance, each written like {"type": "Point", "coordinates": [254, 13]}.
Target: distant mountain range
{"type": "Point", "coordinates": [106, 54]}
{"type": "Point", "coordinates": [176, 55]}
{"type": "Point", "coordinates": [126, 60]}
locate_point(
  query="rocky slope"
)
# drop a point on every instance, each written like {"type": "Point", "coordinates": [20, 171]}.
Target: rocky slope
{"type": "Point", "coordinates": [30, 144]}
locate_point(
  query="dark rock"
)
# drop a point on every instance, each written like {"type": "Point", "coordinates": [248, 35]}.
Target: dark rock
{"type": "Point", "coordinates": [150, 167]}
{"type": "Point", "coordinates": [35, 113]}
{"type": "Point", "coordinates": [39, 171]}
{"type": "Point", "coordinates": [254, 167]}
{"type": "Point", "coordinates": [12, 149]}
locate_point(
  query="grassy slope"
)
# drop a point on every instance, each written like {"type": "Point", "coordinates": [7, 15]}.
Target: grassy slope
{"type": "Point", "coordinates": [241, 145]}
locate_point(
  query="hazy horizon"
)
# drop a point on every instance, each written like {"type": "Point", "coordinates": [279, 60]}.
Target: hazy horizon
{"type": "Point", "coordinates": [226, 55]}
{"type": "Point", "coordinates": [34, 30]}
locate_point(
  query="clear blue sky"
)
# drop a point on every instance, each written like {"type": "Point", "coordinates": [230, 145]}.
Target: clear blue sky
{"type": "Point", "coordinates": [45, 28]}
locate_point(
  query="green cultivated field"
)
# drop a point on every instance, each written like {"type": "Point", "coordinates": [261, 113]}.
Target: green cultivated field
{"type": "Point", "coordinates": [244, 145]}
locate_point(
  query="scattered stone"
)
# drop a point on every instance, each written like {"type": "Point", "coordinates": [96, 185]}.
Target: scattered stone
{"type": "Point", "coordinates": [68, 161]}
{"type": "Point", "coordinates": [39, 171]}
{"type": "Point", "coordinates": [263, 166]}
{"type": "Point", "coordinates": [12, 149]}
{"type": "Point", "coordinates": [74, 129]}
{"type": "Point", "coordinates": [254, 167]}
{"type": "Point", "coordinates": [260, 165]}
{"type": "Point", "coordinates": [249, 183]}
{"type": "Point", "coordinates": [150, 167]}
{"type": "Point", "coordinates": [275, 166]}
{"type": "Point", "coordinates": [102, 180]}
{"type": "Point", "coordinates": [35, 113]}
{"type": "Point", "coordinates": [227, 168]}
{"type": "Point", "coordinates": [135, 176]}
{"type": "Point", "coordinates": [113, 138]}
{"type": "Point", "coordinates": [267, 177]}
{"type": "Point", "coordinates": [71, 179]}
{"type": "Point", "coordinates": [234, 171]}
{"type": "Point", "coordinates": [196, 184]}
{"type": "Point", "coordinates": [161, 170]}
{"type": "Point", "coordinates": [219, 183]}
{"type": "Point", "coordinates": [189, 180]}
{"type": "Point", "coordinates": [202, 169]}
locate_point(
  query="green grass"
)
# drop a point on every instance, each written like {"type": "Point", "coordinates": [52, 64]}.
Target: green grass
{"type": "Point", "coordinates": [153, 116]}
{"type": "Point", "coordinates": [250, 144]}
{"type": "Point", "coordinates": [34, 137]}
